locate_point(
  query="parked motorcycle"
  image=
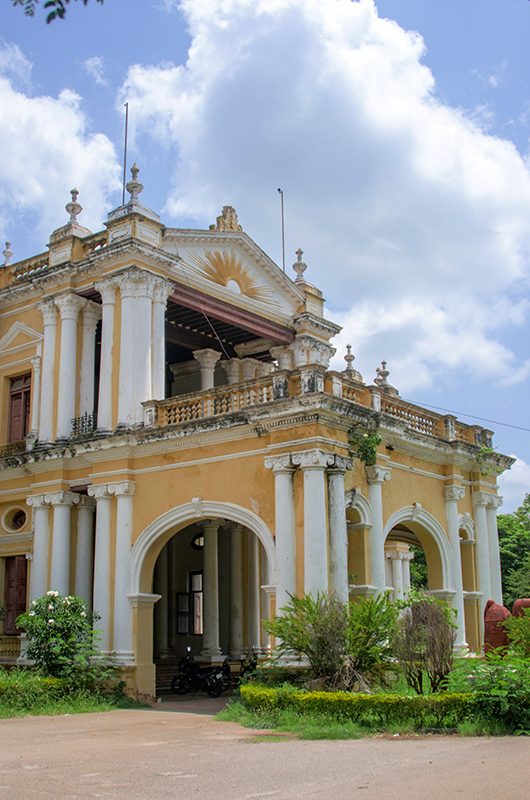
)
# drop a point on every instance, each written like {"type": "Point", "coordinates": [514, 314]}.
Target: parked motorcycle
{"type": "Point", "coordinates": [193, 677]}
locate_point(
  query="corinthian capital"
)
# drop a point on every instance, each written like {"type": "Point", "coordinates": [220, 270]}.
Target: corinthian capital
{"type": "Point", "coordinates": [122, 489]}
{"type": "Point", "coordinates": [280, 463]}
{"type": "Point", "coordinates": [48, 311]}
{"type": "Point", "coordinates": [377, 474]}
{"type": "Point", "coordinates": [162, 289]}
{"type": "Point", "coordinates": [107, 290]}
{"type": "Point", "coordinates": [91, 315]}
{"type": "Point", "coordinates": [207, 358]}
{"type": "Point", "coordinates": [481, 498]}
{"type": "Point", "coordinates": [454, 493]}
{"type": "Point", "coordinates": [313, 459]}
{"type": "Point", "coordinates": [70, 305]}
{"type": "Point", "coordinates": [494, 501]}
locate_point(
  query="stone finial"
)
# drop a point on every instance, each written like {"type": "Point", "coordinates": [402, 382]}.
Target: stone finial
{"type": "Point", "coordinates": [134, 187]}
{"type": "Point", "coordinates": [227, 220]}
{"type": "Point", "coordinates": [349, 358]}
{"type": "Point", "coordinates": [73, 207]}
{"type": "Point", "coordinates": [299, 266]}
{"type": "Point", "coordinates": [8, 254]}
{"type": "Point", "coordinates": [382, 374]}
{"type": "Point", "coordinates": [381, 380]}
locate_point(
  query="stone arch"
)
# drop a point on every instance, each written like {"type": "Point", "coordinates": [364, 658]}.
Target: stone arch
{"type": "Point", "coordinates": [431, 535]}
{"type": "Point", "coordinates": [150, 542]}
{"type": "Point", "coordinates": [466, 526]}
{"type": "Point", "coordinates": [356, 500]}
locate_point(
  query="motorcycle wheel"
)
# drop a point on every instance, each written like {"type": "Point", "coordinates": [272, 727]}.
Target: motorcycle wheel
{"type": "Point", "coordinates": [214, 686]}
{"type": "Point", "coordinates": [180, 685]}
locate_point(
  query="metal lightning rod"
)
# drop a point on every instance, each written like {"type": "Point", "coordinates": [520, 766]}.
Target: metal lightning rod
{"type": "Point", "coordinates": [126, 105]}
{"type": "Point", "coordinates": [280, 191]}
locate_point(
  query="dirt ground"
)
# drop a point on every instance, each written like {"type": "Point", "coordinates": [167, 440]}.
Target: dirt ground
{"type": "Point", "coordinates": [173, 752]}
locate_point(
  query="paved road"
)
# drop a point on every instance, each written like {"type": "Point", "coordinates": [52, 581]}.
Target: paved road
{"type": "Point", "coordinates": [162, 755]}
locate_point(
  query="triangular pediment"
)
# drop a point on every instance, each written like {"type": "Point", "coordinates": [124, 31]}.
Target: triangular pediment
{"type": "Point", "coordinates": [19, 336]}
{"type": "Point", "coordinates": [233, 268]}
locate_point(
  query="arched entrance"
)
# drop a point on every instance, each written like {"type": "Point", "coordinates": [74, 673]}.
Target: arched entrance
{"type": "Point", "coordinates": [210, 566]}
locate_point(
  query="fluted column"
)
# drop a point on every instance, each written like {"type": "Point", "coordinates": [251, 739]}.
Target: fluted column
{"type": "Point", "coordinates": [61, 503]}
{"type": "Point", "coordinates": [207, 359]}
{"type": "Point", "coordinates": [102, 563]}
{"type": "Point", "coordinates": [338, 531]}
{"type": "Point", "coordinates": [313, 464]}
{"type": "Point", "coordinates": [452, 495]}
{"type": "Point", "coordinates": [210, 638]}
{"type": "Point", "coordinates": [123, 492]}
{"type": "Point", "coordinates": [107, 290]}
{"type": "Point", "coordinates": [84, 554]}
{"type": "Point", "coordinates": [253, 611]}
{"type": "Point", "coordinates": [35, 392]}
{"type": "Point", "coordinates": [91, 316]}
{"type": "Point", "coordinates": [47, 394]}
{"type": "Point", "coordinates": [41, 535]}
{"type": "Point", "coordinates": [494, 502]}
{"type": "Point", "coordinates": [284, 528]}
{"type": "Point", "coordinates": [376, 475]}
{"type": "Point", "coordinates": [482, 555]}
{"type": "Point", "coordinates": [69, 306]}
{"type": "Point", "coordinates": [236, 591]}
{"type": "Point", "coordinates": [136, 289]}
{"type": "Point", "coordinates": [161, 291]}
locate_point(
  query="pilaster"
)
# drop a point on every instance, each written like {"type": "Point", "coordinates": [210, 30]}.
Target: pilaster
{"type": "Point", "coordinates": [376, 475]}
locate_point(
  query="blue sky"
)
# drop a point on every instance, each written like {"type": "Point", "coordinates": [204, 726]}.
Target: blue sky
{"type": "Point", "coordinates": [399, 131]}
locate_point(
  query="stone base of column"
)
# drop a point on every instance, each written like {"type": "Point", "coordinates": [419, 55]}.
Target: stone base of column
{"type": "Point", "coordinates": [236, 654]}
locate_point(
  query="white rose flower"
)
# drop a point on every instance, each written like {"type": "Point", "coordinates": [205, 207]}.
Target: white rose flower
{"type": "Point", "coordinates": [51, 622]}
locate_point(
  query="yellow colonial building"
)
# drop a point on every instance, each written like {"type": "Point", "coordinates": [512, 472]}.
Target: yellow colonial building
{"type": "Point", "coordinates": [178, 452]}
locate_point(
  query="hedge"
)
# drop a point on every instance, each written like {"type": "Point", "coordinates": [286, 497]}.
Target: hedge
{"type": "Point", "coordinates": [440, 710]}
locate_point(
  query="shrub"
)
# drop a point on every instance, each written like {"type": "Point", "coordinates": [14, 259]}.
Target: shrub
{"type": "Point", "coordinates": [61, 640]}
{"type": "Point", "coordinates": [423, 642]}
{"type": "Point", "coordinates": [500, 685]}
{"type": "Point", "coordinates": [518, 629]}
{"type": "Point", "coordinates": [344, 643]}
{"type": "Point", "coordinates": [384, 710]}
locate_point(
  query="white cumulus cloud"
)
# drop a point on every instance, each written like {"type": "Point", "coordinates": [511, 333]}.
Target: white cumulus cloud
{"type": "Point", "coordinates": [47, 149]}
{"type": "Point", "coordinates": [412, 218]}
{"type": "Point", "coordinates": [96, 67]}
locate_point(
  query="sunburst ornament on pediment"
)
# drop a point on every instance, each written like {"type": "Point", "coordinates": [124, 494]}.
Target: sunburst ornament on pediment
{"type": "Point", "coordinates": [225, 268]}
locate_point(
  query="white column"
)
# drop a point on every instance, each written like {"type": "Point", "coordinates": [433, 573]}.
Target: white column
{"type": "Point", "coordinates": [338, 531]}
{"type": "Point", "coordinates": [107, 290]}
{"type": "Point", "coordinates": [161, 291]}
{"type": "Point", "coordinates": [35, 391]}
{"type": "Point", "coordinates": [136, 289]}
{"type": "Point", "coordinates": [407, 558]}
{"type": "Point", "coordinates": [265, 579]}
{"type": "Point", "coordinates": [84, 554]}
{"type": "Point", "coordinates": [207, 359]}
{"type": "Point", "coordinates": [123, 648]}
{"type": "Point", "coordinates": [397, 575]}
{"type": "Point", "coordinates": [41, 535]}
{"type": "Point", "coordinates": [232, 370]}
{"type": "Point", "coordinates": [47, 394]}
{"type": "Point", "coordinates": [284, 528]}
{"type": "Point", "coordinates": [313, 464]}
{"type": "Point", "coordinates": [102, 563]}
{"type": "Point", "coordinates": [236, 592]}
{"type": "Point", "coordinates": [494, 502]}
{"type": "Point", "coordinates": [210, 638]}
{"type": "Point", "coordinates": [249, 368]}
{"type": "Point", "coordinates": [482, 555]}
{"type": "Point", "coordinates": [69, 306]}
{"type": "Point", "coordinates": [452, 495]}
{"type": "Point", "coordinates": [375, 475]}
{"type": "Point", "coordinates": [253, 615]}
{"type": "Point", "coordinates": [91, 316]}
{"type": "Point", "coordinates": [61, 503]}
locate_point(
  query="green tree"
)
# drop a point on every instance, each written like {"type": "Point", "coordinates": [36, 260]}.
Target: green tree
{"type": "Point", "coordinates": [514, 544]}
{"type": "Point", "coordinates": [56, 8]}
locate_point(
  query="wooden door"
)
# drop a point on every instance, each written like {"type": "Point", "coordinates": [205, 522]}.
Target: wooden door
{"type": "Point", "coordinates": [15, 592]}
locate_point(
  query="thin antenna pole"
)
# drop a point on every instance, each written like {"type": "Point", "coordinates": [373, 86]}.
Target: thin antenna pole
{"type": "Point", "coordinates": [283, 228]}
{"type": "Point", "coordinates": [126, 105]}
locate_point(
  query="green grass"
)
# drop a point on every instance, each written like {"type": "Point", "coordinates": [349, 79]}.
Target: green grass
{"type": "Point", "coordinates": [303, 726]}
{"type": "Point", "coordinates": [26, 693]}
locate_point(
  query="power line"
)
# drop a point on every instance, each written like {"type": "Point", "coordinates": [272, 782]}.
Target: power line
{"type": "Point", "coordinates": [471, 416]}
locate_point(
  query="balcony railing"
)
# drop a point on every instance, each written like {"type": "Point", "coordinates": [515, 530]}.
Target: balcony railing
{"type": "Point", "coordinates": [212, 403]}
{"type": "Point", "coordinates": [83, 426]}
{"type": "Point", "coordinates": [9, 648]}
